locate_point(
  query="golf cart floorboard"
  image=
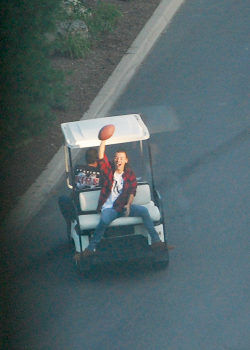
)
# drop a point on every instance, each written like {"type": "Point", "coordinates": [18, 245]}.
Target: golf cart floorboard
{"type": "Point", "coordinates": [125, 249]}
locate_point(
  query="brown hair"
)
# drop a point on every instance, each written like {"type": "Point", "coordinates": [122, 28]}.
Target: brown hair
{"type": "Point", "coordinates": [91, 155]}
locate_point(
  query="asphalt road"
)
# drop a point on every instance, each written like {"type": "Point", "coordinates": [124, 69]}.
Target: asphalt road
{"type": "Point", "coordinates": [193, 91]}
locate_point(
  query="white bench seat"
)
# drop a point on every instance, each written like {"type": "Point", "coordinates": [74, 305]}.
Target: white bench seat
{"type": "Point", "coordinates": [90, 221]}
{"type": "Point", "coordinates": [88, 202]}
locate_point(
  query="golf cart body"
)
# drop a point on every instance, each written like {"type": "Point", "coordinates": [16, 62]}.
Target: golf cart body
{"type": "Point", "coordinates": [126, 237]}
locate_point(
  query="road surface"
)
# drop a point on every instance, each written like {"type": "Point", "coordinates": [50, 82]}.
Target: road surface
{"type": "Point", "coordinates": [193, 92]}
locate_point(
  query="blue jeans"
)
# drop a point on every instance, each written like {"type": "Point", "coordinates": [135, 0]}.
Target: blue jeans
{"type": "Point", "coordinates": [109, 215]}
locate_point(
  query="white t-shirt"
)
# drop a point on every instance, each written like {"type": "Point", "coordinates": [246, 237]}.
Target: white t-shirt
{"type": "Point", "coordinates": [115, 191]}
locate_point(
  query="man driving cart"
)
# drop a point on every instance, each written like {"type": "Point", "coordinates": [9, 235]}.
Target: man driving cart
{"type": "Point", "coordinates": [116, 200]}
{"type": "Point", "coordinates": [123, 220]}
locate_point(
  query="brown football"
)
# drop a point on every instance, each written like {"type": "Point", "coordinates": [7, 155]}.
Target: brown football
{"type": "Point", "coordinates": [106, 132]}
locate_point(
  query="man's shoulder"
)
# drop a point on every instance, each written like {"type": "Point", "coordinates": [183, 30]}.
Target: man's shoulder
{"type": "Point", "coordinates": [129, 174]}
{"type": "Point", "coordinates": [129, 171]}
{"type": "Point", "coordinates": [104, 159]}
{"type": "Point", "coordinates": [92, 168]}
{"type": "Point", "coordinates": [105, 164]}
{"type": "Point", "coordinates": [79, 168]}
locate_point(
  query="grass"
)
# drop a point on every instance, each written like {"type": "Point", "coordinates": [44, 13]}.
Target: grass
{"type": "Point", "coordinates": [100, 19]}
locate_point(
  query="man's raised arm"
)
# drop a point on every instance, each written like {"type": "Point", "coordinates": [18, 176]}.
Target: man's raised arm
{"type": "Point", "coordinates": [102, 149]}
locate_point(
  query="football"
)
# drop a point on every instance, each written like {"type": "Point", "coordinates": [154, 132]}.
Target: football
{"type": "Point", "coordinates": [106, 132]}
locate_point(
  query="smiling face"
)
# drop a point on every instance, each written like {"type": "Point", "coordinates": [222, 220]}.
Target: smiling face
{"type": "Point", "coordinates": [120, 161]}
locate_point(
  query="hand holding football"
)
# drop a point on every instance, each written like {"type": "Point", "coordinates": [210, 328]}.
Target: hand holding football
{"type": "Point", "coordinates": [106, 132]}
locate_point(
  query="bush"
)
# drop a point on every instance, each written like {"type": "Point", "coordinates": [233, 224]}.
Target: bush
{"type": "Point", "coordinates": [74, 46]}
{"type": "Point", "coordinates": [29, 84]}
{"type": "Point", "coordinates": [102, 18]}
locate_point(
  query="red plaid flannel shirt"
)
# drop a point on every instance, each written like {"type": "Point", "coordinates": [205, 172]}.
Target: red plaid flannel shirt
{"type": "Point", "coordinates": [129, 186]}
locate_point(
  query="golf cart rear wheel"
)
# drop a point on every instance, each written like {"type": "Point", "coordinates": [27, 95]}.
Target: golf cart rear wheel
{"type": "Point", "coordinates": [82, 269]}
{"type": "Point", "coordinates": [71, 243]}
{"type": "Point", "coordinates": [160, 265]}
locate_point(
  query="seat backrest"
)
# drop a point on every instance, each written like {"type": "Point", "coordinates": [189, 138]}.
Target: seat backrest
{"type": "Point", "coordinates": [89, 199]}
{"type": "Point", "coordinates": [143, 195]}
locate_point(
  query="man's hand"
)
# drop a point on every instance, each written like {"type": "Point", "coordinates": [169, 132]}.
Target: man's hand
{"type": "Point", "coordinates": [127, 210]}
{"type": "Point", "coordinates": [127, 206]}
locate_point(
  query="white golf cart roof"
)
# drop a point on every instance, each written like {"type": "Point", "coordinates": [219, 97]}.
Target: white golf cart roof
{"type": "Point", "coordinates": [84, 133]}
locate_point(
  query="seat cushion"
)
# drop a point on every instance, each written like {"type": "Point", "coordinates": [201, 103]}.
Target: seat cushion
{"type": "Point", "coordinates": [89, 199]}
{"type": "Point", "coordinates": [90, 221]}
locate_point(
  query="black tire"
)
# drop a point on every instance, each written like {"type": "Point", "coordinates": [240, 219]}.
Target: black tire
{"type": "Point", "coordinates": [160, 265]}
{"type": "Point", "coordinates": [82, 269]}
{"type": "Point", "coordinates": [160, 262]}
{"type": "Point", "coordinates": [71, 243]}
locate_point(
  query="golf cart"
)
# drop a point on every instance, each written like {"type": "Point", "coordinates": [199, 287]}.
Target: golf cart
{"type": "Point", "coordinates": [126, 238]}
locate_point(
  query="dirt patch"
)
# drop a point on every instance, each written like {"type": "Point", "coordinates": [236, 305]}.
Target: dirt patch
{"type": "Point", "coordinates": [85, 77]}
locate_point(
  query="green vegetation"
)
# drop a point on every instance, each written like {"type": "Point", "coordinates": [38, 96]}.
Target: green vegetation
{"type": "Point", "coordinates": [99, 19]}
{"type": "Point", "coordinates": [103, 18]}
{"type": "Point", "coordinates": [30, 86]}
{"type": "Point", "coordinates": [74, 46]}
